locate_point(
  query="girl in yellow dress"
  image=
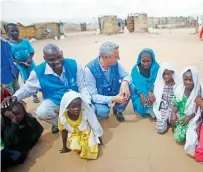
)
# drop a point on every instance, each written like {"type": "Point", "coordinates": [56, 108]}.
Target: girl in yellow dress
{"type": "Point", "coordinates": [78, 122]}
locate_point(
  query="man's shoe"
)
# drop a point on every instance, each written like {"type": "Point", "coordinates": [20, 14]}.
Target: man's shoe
{"type": "Point", "coordinates": [119, 115]}
{"type": "Point", "coordinates": [54, 129]}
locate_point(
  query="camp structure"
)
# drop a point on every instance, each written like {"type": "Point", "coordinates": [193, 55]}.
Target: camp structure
{"type": "Point", "coordinates": [137, 22]}
{"type": "Point", "coordinates": [38, 30]}
{"type": "Point", "coordinates": [108, 24]}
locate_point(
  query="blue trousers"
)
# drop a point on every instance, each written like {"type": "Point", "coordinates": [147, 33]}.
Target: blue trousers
{"type": "Point", "coordinates": [102, 110]}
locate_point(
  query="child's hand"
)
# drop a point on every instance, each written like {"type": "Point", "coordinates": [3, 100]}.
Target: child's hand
{"type": "Point", "coordinates": [173, 120]}
{"type": "Point", "coordinates": [11, 116]}
{"type": "Point", "coordinates": [101, 143]}
{"type": "Point", "coordinates": [29, 61]}
{"type": "Point", "coordinates": [64, 150]}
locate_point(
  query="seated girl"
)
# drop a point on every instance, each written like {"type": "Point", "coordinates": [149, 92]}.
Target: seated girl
{"type": "Point", "coordinates": [19, 133]}
{"type": "Point", "coordinates": [78, 120]}
{"type": "Point", "coordinates": [164, 87]}
{"type": "Point", "coordinates": [184, 103]}
{"type": "Point", "coordinates": [199, 147]}
{"type": "Point", "coordinates": [144, 75]}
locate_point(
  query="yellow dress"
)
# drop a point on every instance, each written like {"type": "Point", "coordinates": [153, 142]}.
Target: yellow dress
{"type": "Point", "coordinates": [79, 139]}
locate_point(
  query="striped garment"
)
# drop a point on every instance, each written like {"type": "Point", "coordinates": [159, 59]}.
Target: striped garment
{"type": "Point", "coordinates": [165, 108]}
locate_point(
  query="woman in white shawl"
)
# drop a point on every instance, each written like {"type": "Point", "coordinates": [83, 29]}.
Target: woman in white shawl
{"type": "Point", "coordinates": [164, 86]}
{"type": "Point", "coordinates": [194, 135]}
{"type": "Point", "coordinates": [78, 120]}
{"type": "Point", "coordinates": [184, 102]}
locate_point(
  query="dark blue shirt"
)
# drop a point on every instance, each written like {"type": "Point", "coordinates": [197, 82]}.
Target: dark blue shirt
{"type": "Point", "coordinates": [9, 71]}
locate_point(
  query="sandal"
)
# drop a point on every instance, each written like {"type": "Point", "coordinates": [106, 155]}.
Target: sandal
{"type": "Point", "coordinates": [35, 99]}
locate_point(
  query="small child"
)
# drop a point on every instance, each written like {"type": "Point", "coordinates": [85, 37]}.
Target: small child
{"type": "Point", "coordinates": [184, 103]}
{"type": "Point", "coordinates": [23, 53]}
{"type": "Point", "coordinates": [19, 133]}
{"type": "Point", "coordinates": [164, 87]}
{"type": "Point", "coordinates": [78, 120]}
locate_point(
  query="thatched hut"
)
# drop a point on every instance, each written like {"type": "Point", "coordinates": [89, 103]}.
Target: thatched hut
{"type": "Point", "coordinates": [47, 30]}
{"type": "Point", "coordinates": [37, 31]}
{"type": "Point", "coordinates": [26, 31]}
{"type": "Point", "coordinates": [108, 24]}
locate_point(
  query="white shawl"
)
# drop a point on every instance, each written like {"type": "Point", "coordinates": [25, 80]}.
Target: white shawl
{"type": "Point", "coordinates": [191, 135]}
{"type": "Point", "coordinates": [179, 93]}
{"type": "Point", "coordinates": [88, 115]}
{"type": "Point", "coordinates": [159, 86]}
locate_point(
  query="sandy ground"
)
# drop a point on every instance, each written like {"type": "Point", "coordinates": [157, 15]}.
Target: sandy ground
{"type": "Point", "coordinates": [133, 145]}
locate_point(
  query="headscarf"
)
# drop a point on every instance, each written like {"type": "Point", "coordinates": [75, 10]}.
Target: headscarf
{"type": "Point", "coordinates": [141, 83]}
{"type": "Point", "coordinates": [87, 110]}
{"type": "Point", "coordinates": [179, 93]}
{"type": "Point", "coordinates": [160, 83]}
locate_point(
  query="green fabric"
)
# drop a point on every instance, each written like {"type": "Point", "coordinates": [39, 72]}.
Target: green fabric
{"type": "Point", "coordinates": [181, 107]}
{"type": "Point", "coordinates": [180, 129]}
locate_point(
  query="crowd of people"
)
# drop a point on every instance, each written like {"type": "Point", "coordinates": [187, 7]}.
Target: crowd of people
{"type": "Point", "coordinates": [74, 99]}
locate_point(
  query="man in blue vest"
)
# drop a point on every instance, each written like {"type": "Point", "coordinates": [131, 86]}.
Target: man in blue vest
{"type": "Point", "coordinates": [54, 77]}
{"type": "Point", "coordinates": [107, 82]}
{"type": "Point", "coordinates": [9, 71]}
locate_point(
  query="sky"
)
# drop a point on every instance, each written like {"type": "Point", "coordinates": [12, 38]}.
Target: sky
{"type": "Point", "coordinates": [85, 10]}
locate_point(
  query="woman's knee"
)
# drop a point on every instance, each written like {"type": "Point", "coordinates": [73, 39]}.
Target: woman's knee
{"type": "Point", "coordinates": [179, 138]}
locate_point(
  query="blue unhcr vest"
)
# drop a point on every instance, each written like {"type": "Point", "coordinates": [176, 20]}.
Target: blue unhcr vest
{"type": "Point", "coordinates": [52, 87]}
{"type": "Point", "coordinates": [104, 87]}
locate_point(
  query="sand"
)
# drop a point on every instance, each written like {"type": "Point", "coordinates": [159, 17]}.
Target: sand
{"type": "Point", "coordinates": [133, 145]}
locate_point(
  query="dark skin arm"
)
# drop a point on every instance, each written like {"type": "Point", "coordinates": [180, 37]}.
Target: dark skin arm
{"type": "Point", "coordinates": [151, 97]}
{"type": "Point", "coordinates": [187, 119]}
{"type": "Point", "coordinates": [199, 102]}
{"type": "Point", "coordinates": [174, 116]}
{"type": "Point", "coordinates": [64, 135]}
{"type": "Point", "coordinates": [16, 61]}
{"type": "Point", "coordinates": [29, 60]}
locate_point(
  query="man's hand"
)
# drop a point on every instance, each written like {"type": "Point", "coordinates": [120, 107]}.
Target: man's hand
{"type": "Point", "coordinates": [119, 98]}
{"type": "Point", "coordinates": [64, 150]}
{"type": "Point", "coordinates": [11, 116]}
{"type": "Point", "coordinates": [7, 101]}
{"type": "Point", "coordinates": [125, 89]}
{"type": "Point", "coordinates": [151, 98]}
